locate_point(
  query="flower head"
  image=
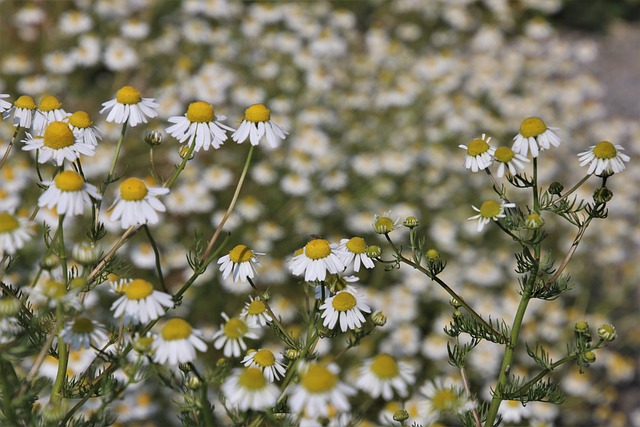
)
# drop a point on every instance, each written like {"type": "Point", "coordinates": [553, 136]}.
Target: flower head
{"type": "Point", "coordinates": [604, 158]}
{"type": "Point", "coordinates": [137, 204]}
{"type": "Point", "coordinates": [23, 110]}
{"type": "Point", "coordinates": [82, 332]}
{"type": "Point", "coordinates": [443, 397]}
{"type": "Point", "coordinates": [490, 210]}
{"type": "Point", "coordinates": [129, 105]}
{"type": "Point", "coordinates": [346, 307]}
{"type": "Point", "coordinates": [380, 375]}
{"type": "Point", "coordinates": [534, 136]}
{"type": "Point", "coordinates": [4, 105]}
{"type": "Point", "coordinates": [479, 154]}
{"type": "Point", "coordinates": [241, 261]}
{"type": "Point", "coordinates": [177, 343]}
{"type": "Point", "coordinates": [257, 123]}
{"type": "Point", "coordinates": [200, 122]}
{"type": "Point", "coordinates": [57, 144]}
{"type": "Point", "coordinates": [317, 257]}
{"type": "Point", "coordinates": [269, 362]}
{"type": "Point", "coordinates": [384, 224]}
{"type": "Point", "coordinates": [355, 253]}
{"type": "Point", "coordinates": [68, 193]}
{"type": "Point", "coordinates": [255, 311]}
{"type": "Point", "coordinates": [508, 159]}
{"type": "Point", "coordinates": [247, 388]}
{"type": "Point", "coordinates": [49, 110]}
{"type": "Point", "coordinates": [232, 334]}
{"type": "Point", "coordinates": [140, 303]}
{"type": "Point", "coordinates": [14, 233]}
{"type": "Point", "coordinates": [83, 128]}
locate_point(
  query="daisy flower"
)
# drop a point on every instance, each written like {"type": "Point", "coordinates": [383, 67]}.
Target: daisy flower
{"type": "Point", "coordinates": [68, 193]}
{"type": "Point", "coordinates": [380, 375]}
{"type": "Point", "coordinates": [82, 332]}
{"type": "Point", "coordinates": [508, 159]}
{"type": "Point", "coordinates": [604, 158]}
{"type": "Point", "coordinates": [490, 210]}
{"type": "Point", "coordinates": [199, 122]}
{"type": "Point", "coordinates": [232, 334]}
{"type": "Point", "coordinates": [534, 136]}
{"type": "Point", "coordinates": [241, 261]}
{"type": "Point", "coordinates": [130, 106]}
{"type": "Point", "coordinates": [317, 257]}
{"type": "Point", "coordinates": [479, 154]}
{"type": "Point", "coordinates": [23, 110]}
{"type": "Point", "coordinates": [247, 388]}
{"type": "Point", "coordinates": [137, 204]}
{"type": "Point", "coordinates": [319, 387]}
{"type": "Point", "coordinates": [415, 408]}
{"type": "Point", "coordinates": [255, 311]}
{"type": "Point", "coordinates": [177, 343]}
{"type": "Point", "coordinates": [444, 397]}
{"type": "Point", "coordinates": [4, 105]}
{"type": "Point", "coordinates": [57, 145]}
{"type": "Point", "coordinates": [384, 224]}
{"type": "Point", "coordinates": [355, 251]}
{"type": "Point", "coordinates": [269, 362]}
{"type": "Point", "coordinates": [14, 233]}
{"type": "Point", "coordinates": [49, 110]}
{"type": "Point", "coordinates": [513, 411]}
{"type": "Point", "coordinates": [82, 127]}
{"type": "Point", "coordinates": [256, 124]}
{"type": "Point", "coordinates": [346, 307]}
{"type": "Point", "coordinates": [140, 303]}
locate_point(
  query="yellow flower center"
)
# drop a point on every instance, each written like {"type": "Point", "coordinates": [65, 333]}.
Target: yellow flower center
{"type": "Point", "coordinates": [490, 209]}
{"type": "Point", "coordinates": [444, 399]}
{"type": "Point", "coordinates": [133, 189]}
{"type": "Point", "coordinates": [252, 378]}
{"type": "Point", "coordinates": [318, 379]}
{"type": "Point", "coordinates": [384, 224]}
{"type": "Point", "coordinates": [54, 289]}
{"type": "Point", "coordinates": [58, 135]}
{"type": "Point", "coordinates": [200, 112]}
{"type": "Point", "coordinates": [138, 289]}
{"type": "Point", "coordinates": [8, 172]}
{"type": "Point", "coordinates": [257, 113]}
{"type": "Point", "coordinates": [240, 254]}
{"type": "Point", "coordinates": [69, 181]}
{"type": "Point", "coordinates": [80, 119]}
{"type": "Point", "coordinates": [357, 245]}
{"type": "Point", "coordinates": [49, 103]}
{"type": "Point", "coordinates": [317, 249]}
{"type": "Point", "coordinates": [504, 154]}
{"type": "Point", "coordinates": [477, 147]}
{"type": "Point", "coordinates": [144, 399]}
{"type": "Point", "coordinates": [176, 329]}
{"type": "Point", "coordinates": [343, 301]}
{"type": "Point", "coordinates": [256, 307]}
{"type": "Point", "coordinates": [605, 150]}
{"type": "Point", "coordinates": [264, 358]}
{"type": "Point", "coordinates": [235, 328]}
{"type": "Point", "coordinates": [8, 222]}
{"type": "Point", "coordinates": [384, 366]}
{"type": "Point", "coordinates": [26, 102]}
{"type": "Point", "coordinates": [82, 325]}
{"type": "Point", "coordinates": [128, 95]}
{"type": "Point", "coordinates": [532, 126]}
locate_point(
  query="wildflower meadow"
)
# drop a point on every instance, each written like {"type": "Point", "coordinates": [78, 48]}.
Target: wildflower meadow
{"type": "Point", "coordinates": [315, 213]}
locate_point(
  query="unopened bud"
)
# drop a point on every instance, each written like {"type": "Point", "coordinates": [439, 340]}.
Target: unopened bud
{"type": "Point", "coordinates": [556, 188]}
{"type": "Point", "coordinates": [607, 332]}
{"type": "Point", "coordinates": [53, 412]}
{"type": "Point", "coordinates": [533, 221]}
{"type": "Point", "coordinates": [374, 251]}
{"type": "Point", "coordinates": [378, 318]}
{"type": "Point", "coordinates": [153, 137]}
{"type": "Point", "coordinates": [49, 262]}
{"type": "Point", "coordinates": [9, 306]}
{"type": "Point", "coordinates": [184, 151]}
{"type": "Point", "coordinates": [582, 327]}
{"type": "Point", "coordinates": [457, 313]}
{"type": "Point", "coordinates": [291, 354]}
{"type": "Point", "coordinates": [400, 415]}
{"type": "Point", "coordinates": [589, 357]}
{"type": "Point", "coordinates": [194, 382]}
{"type": "Point", "coordinates": [411, 222]}
{"type": "Point", "coordinates": [602, 195]}
{"type": "Point", "coordinates": [185, 367]}
{"type": "Point", "coordinates": [455, 303]}
{"type": "Point", "coordinates": [433, 255]}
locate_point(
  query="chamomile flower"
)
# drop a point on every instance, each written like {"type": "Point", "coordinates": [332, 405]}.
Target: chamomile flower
{"type": "Point", "coordinates": [534, 136]}
{"type": "Point", "coordinates": [384, 224]}
{"type": "Point", "coordinates": [507, 158]}
{"type": "Point", "coordinates": [490, 210]}
{"type": "Point", "coordinates": [81, 332]}
{"type": "Point", "coordinates": [177, 343]}
{"type": "Point", "coordinates": [199, 122]}
{"type": "Point", "coordinates": [513, 411]}
{"type": "Point", "coordinates": [240, 262]}
{"type": "Point", "coordinates": [68, 193]}
{"type": "Point", "coordinates": [232, 334]}
{"type": "Point", "coordinates": [444, 397]}
{"type": "Point", "coordinates": [380, 375]}
{"type": "Point", "coordinates": [247, 388]}
{"type": "Point", "coordinates": [269, 362]}
{"type": "Point", "coordinates": [49, 110]}
{"type": "Point", "coordinates": [479, 154]}
{"type": "Point", "coordinates": [355, 251]}
{"type": "Point", "coordinates": [318, 388]}
{"type": "Point", "coordinates": [256, 124]}
{"type": "Point", "coordinates": [137, 204]}
{"type": "Point", "coordinates": [129, 105]}
{"type": "Point", "coordinates": [604, 158]}
{"type": "Point", "coordinates": [57, 145]}
{"type": "Point", "coordinates": [14, 233]}
{"type": "Point", "coordinates": [346, 307]}
{"type": "Point", "coordinates": [83, 128]}
{"type": "Point", "coordinates": [23, 110]}
{"type": "Point", "coordinates": [4, 105]}
{"type": "Point", "coordinates": [255, 311]}
{"type": "Point", "coordinates": [317, 258]}
{"type": "Point", "coordinates": [140, 303]}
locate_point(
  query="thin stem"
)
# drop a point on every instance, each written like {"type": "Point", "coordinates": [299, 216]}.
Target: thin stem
{"type": "Point", "coordinates": [112, 169]}
{"type": "Point", "coordinates": [8, 150]}
{"type": "Point", "coordinates": [570, 253]}
{"type": "Point", "coordinates": [153, 165]}
{"type": "Point", "coordinates": [182, 164]}
{"type": "Point", "coordinates": [289, 341]}
{"type": "Point", "coordinates": [467, 388]}
{"type": "Point", "coordinates": [569, 192]}
{"type": "Point", "coordinates": [63, 352]}
{"type": "Point", "coordinates": [536, 201]}
{"type": "Point", "coordinates": [111, 252]}
{"type": "Point", "coordinates": [157, 257]}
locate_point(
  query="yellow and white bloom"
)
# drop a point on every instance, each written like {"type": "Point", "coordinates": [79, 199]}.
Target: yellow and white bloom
{"type": "Point", "coordinates": [14, 233]}
{"type": "Point", "coordinates": [177, 343]}
{"type": "Point", "coordinates": [355, 253]}
{"type": "Point", "coordinates": [4, 105]}
{"type": "Point", "coordinates": [316, 259]}
{"type": "Point", "coordinates": [137, 204]}
{"type": "Point", "coordinates": [534, 136]}
{"type": "Point", "coordinates": [383, 224]}
{"type": "Point", "coordinates": [255, 311]}
{"type": "Point", "coordinates": [508, 159]}
{"type": "Point", "coordinates": [57, 145]}
{"type": "Point", "coordinates": [83, 128]}
{"type": "Point", "coordinates": [68, 193]}
{"type": "Point", "coordinates": [49, 110]}
{"type": "Point", "coordinates": [257, 124]}
{"type": "Point", "coordinates": [444, 397]}
{"type": "Point", "coordinates": [490, 210]}
{"type": "Point", "coordinates": [140, 303]}
{"type": "Point", "coordinates": [604, 158]}
{"type": "Point", "coordinates": [382, 374]}
{"type": "Point", "coordinates": [247, 388]}
{"type": "Point", "coordinates": [346, 307]}
{"type": "Point", "coordinates": [232, 334]}
{"type": "Point", "coordinates": [201, 122]}
{"type": "Point", "coordinates": [269, 362]}
{"type": "Point", "coordinates": [82, 332]}
{"type": "Point", "coordinates": [23, 110]}
{"type": "Point", "coordinates": [240, 263]}
{"type": "Point", "coordinates": [129, 105]}
{"type": "Point", "coordinates": [479, 154]}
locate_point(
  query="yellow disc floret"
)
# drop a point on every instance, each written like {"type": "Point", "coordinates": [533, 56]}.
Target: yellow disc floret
{"type": "Point", "coordinates": [384, 224]}
{"type": "Point", "coordinates": [532, 126]}
{"type": "Point", "coordinates": [477, 147]}
{"type": "Point", "coordinates": [133, 189]}
{"type": "Point", "coordinates": [490, 209]}
{"type": "Point", "coordinates": [26, 102]}
{"type": "Point", "coordinates": [604, 150]}
{"type": "Point", "coordinates": [69, 181]}
{"type": "Point", "coordinates": [384, 366]}
{"type": "Point", "coordinates": [128, 95]}
{"type": "Point", "coordinates": [504, 154]}
{"type": "Point", "coordinates": [264, 358]}
{"type": "Point", "coordinates": [317, 249]}
{"type": "Point", "coordinates": [235, 328]}
{"type": "Point", "coordinates": [257, 113]}
{"type": "Point", "coordinates": [344, 301]}
{"type": "Point", "coordinates": [318, 379]}
{"type": "Point", "coordinates": [200, 112]}
{"type": "Point", "coordinates": [252, 379]}
{"type": "Point", "coordinates": [54, 289]}
{"type": "Point", "coordinates": [49, 103]}
{"type": "Point", "coordinates": [240, 254]}
{"type": "Point", "coordinates": [256, 307]}
{"type": "Point", "coordinates": [8, 222]}
{"type": "Point", "coordinates": [82, 325]}
{"type": "Point", "coordinates": [138, 289]}
{"type": "Point", "coordinates": [58, 135]}
{"type": "Point", "coordinates": [80, 119]}
{"type": "Point", "coordinates": [176, 329]}
{"type": "Point", "coordinates": [357, 245]}
{"type": "Point", "coordinates": [444, 399]}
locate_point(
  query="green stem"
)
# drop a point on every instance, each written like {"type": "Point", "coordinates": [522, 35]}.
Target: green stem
{"type": "Point", "coordinates": [182, 164]}
{"type": "Point", "coordinates": [274, 320]}
{"type": "Point", "coordinates": [157, 256]}
{"type": "Point", "coordinates": [568, 193]}
{"type": "Point", "coordinates": [7, 390]}
{"type": "Point", "coordinates": [112, 169]}
{"type": "Point", "coordinates": [63, 353]}
{"type": "Point", "coordinates": [8, 150]}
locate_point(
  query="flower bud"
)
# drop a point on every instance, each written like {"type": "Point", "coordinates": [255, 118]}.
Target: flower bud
{"type": "Point", "coordinates": [534, 221]}
{"type": "Point", "coordinates": [602, 195]}
{"type": "Point", "coordinates": [291, 354]}
{"type": "Point", "coordinates": [374, 251]}
{"type": "Point", "coordinates": [411, 222]}
{"type": "Point", "coordinates": [142, 344]}
{"type": "Point", "coordinates": [556, 188]}
{"type": "Point", "coordinates": [185, 367]}
{"type": "Point", "coordinates": [607, 332]}
{"type": "Point", "coordinates": [184, 150]}
{"type": "Point", "coordinates": [9, 306]}
{"type": "Point", "coordinates": [221, 362]}
{"type": "Point", "coordinates": [457, 313]}
{"type": "Point", "coordinates": [153, 137]}
{"type": "Point", "coordinates": [589, 357]}
{"type": "Point", "coordinates": [378, 318]}
{"type": "Point", "coordinates": [77, 283]}
{"type": "Point", "coordinates": [53, 412]}
{"type": "Point", "coordinates": [582, 327]}
{"type": "Point", "coordinates": [433, 255]}
{"type": "Point", "coordinates": [455, 303]}
{"type": "Point", "coordinates": [265, 296]}
{"type": "Point", "coordinates": [49, 262]}
{"type": "Point", "coordinates": [383, 225]}
{"type": "Point", "coordinates": [401, 415]}
{"type": "Point", "coordinates": [85, 253]}
{"type": "Point", "coordinates": [194, 382]}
